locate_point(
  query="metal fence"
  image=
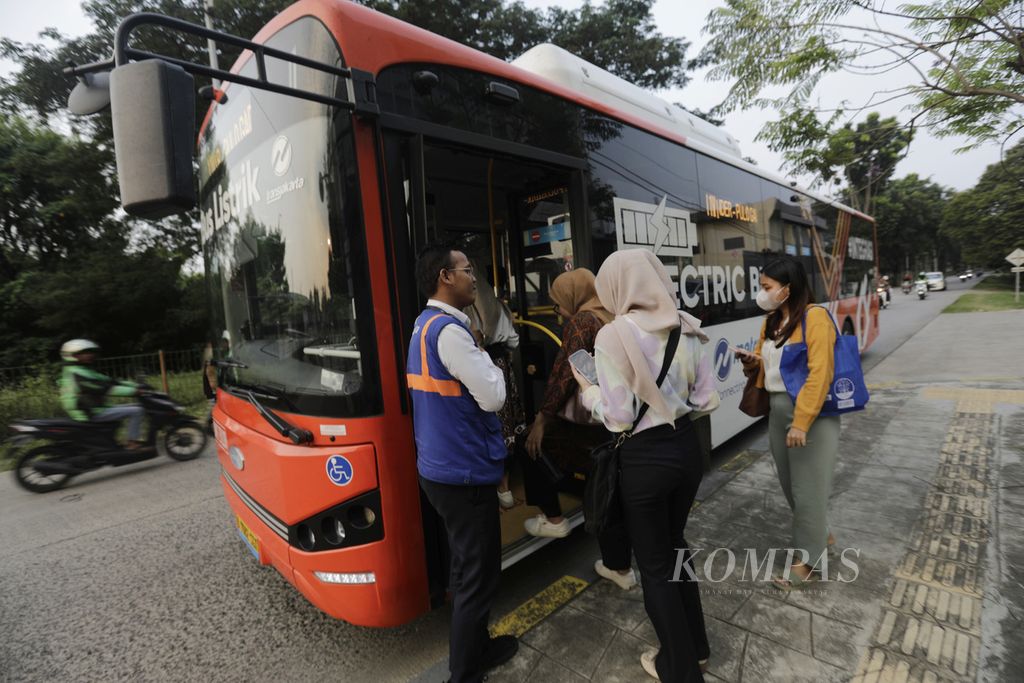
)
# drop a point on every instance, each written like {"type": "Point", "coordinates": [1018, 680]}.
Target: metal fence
{"type": "Point", "coordinates": [31, 391]}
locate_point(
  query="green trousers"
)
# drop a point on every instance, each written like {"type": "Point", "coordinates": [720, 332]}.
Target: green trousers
{"type": "Point", "coordinates": [805, 473]}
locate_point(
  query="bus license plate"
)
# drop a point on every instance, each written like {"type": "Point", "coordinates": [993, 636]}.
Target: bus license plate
{"type": "Point", "coordinates": [248, 537]}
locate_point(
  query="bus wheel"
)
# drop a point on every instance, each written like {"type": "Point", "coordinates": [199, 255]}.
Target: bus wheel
{"type": "Point", "coordinates": [848, 328]}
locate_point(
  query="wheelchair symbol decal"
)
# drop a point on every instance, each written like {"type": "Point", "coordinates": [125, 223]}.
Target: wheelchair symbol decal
{"type": "Point", "coordinates": [339, 470]}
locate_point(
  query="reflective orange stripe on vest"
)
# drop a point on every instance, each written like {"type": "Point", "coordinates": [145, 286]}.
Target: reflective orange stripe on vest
{"type": "Point", "coordinates": [424, 382]}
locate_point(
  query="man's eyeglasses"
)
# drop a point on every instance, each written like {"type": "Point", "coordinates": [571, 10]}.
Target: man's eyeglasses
{"type": "Point", "coordinates": [468, 270]}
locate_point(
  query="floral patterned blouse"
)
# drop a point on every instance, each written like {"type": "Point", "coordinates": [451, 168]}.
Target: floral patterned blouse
{"type": "Point", "coordinates": [579, 333]}
{"type": "Point", "coordinates": [689, 386]}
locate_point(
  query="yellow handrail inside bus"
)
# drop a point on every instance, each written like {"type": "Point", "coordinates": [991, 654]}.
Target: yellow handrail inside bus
{"type": "Point", "coordinates": [530, 323]}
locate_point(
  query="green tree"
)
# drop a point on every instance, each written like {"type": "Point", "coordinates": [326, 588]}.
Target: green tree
{"type": "Point", "coordinates": [987, 221]}
{"type": "Point", "coordinates": [56, 193]}
{"type": "Point", "coordinates": [963, 60]}
{"type": "Point", "coordinates": [909, 216]}
{"type": "Point", "coordinates": [864, 156]}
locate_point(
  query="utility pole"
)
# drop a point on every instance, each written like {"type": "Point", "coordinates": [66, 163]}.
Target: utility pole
{"type": "Point", "coordinates": [211, 45]}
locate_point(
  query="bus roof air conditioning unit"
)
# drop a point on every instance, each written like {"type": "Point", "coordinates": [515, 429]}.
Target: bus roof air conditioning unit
{"type": "Point", "coordinates": [566, 69]}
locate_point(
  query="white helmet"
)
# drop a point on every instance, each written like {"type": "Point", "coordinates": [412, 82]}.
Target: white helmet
{"type": "Point", "coordinates": [72, 348]}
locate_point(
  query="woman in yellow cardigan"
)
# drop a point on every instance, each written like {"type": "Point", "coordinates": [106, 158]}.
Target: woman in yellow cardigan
{"type": "Point", "coordinates": [804, 444]}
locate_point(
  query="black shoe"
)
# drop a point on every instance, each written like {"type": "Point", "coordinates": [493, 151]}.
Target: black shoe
{"type": "Point", "coordinates": [498, 651]}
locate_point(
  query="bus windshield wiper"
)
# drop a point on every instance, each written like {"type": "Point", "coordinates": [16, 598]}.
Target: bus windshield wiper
{"type": "Point", "coordinates": [298, 435]}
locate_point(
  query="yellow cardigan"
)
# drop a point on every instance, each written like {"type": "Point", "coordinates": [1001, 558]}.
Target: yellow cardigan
{"type": "Point", "coordinates": [821, 341]}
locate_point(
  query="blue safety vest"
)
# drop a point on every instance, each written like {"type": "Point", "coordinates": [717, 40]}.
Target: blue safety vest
{"type": "Point", "coordinates": [457, 442]}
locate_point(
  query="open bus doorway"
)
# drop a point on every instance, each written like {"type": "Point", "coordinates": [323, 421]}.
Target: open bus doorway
{"type": "Point", "coordinates": [519, 223]}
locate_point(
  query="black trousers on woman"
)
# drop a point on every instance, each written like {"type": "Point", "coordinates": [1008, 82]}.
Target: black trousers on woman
{"type": "Point", "coordinates": [569, 446]}
{"type": "Point", "coordinates": [661, 469]}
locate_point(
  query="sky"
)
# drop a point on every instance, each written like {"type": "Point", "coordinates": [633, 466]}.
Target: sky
{"type": "Point", "coordinates": [928, 157]}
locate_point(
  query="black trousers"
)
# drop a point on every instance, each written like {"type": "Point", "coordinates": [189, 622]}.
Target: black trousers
{"type": "Point", "coordinates": [616, 552]}
{"type": "Point", "coordinates": [470, 515]}
{"type": "Point", "coordinates": [661, 469]}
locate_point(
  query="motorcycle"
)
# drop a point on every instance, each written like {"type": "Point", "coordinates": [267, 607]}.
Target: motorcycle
{"type": "Point", "coordinates": [922, 290]}
{"type": "Point", "coordinates": [906, 286]}
{"type": "Point", "coordinates": [883, 296]}
{"type": "Point", "coordinates": [71, 447]}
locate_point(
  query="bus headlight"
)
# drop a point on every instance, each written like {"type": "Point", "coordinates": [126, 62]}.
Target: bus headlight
{"type": "Point", "coordinates": [349, 579]}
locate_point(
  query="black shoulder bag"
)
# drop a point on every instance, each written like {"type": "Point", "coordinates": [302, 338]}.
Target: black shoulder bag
{"type": "Point", "coordinates": [601, 505]}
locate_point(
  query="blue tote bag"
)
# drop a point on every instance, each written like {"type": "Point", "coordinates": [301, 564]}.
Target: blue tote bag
{"type": "Point", "coordinates": [848, 391]}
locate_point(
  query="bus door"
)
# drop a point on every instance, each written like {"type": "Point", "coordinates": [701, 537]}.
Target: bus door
{"type": "Point", "coordinates": [514, 219]}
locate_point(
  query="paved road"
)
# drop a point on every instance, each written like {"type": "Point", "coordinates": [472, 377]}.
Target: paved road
{"type": "Point", "coordinates": [137, 574]}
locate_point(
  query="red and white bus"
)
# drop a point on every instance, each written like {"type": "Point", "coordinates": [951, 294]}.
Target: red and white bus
{"type": "Point", "coordinates": [311, 214]}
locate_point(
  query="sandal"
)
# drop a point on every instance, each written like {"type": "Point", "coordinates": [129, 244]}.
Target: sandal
{"type": "Point", "coordinates": [795, 581]}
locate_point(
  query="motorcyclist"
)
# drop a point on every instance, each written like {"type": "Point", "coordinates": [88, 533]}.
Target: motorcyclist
{"type": "Point", "coordinates": [84, 392]}
{"type": "Point", "coordinates": [886, 289]}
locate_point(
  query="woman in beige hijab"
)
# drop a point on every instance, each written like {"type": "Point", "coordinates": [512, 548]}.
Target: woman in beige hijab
{"type": "Point", "coordinates": [660, 464]}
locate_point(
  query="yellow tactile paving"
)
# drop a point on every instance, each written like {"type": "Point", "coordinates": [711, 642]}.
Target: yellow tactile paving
{"type": "Point", "coordinates": [539, 607]}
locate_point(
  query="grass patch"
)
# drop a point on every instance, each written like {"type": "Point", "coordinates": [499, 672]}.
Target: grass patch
{"type": "Point", "coordinates": [1000, 282]}
{"type": "Point", "coordinates": [985, 300]}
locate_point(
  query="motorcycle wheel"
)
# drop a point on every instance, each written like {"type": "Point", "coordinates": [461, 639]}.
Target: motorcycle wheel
{"type": "Point", "coordinates": [185, 441]}
{"type": "Point", "coordinates": [32, 480]}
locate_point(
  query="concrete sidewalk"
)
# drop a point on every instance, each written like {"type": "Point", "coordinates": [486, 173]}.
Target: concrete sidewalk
{"type": "Point", "coordinates": [930, 491]}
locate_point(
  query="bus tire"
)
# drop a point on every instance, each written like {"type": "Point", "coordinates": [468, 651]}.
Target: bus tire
{"type": "Point", "coordinates": [848, 328]}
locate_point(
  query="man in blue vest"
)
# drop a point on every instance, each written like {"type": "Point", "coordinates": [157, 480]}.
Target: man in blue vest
{"type": "Point", "coordinates": [456, 390]}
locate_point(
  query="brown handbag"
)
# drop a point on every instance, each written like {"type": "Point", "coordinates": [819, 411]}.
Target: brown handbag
{"type": "Point", "coordinates": [755, 399]}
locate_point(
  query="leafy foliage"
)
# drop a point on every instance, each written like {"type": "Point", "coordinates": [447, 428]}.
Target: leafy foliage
{"type": "Point", "coordinates": [986, 220]}
{"type": "Point", "coordinates": [66, 268]}
{"type": "Point", "coordinates": [962, 61]}
{"type": "Point", "coordinates": [909, 215]}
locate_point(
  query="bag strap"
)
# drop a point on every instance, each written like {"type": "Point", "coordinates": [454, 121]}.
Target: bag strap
{"type": "Point", "coordinates": [670, 352]}
{"type": "Point", "coordinates": [803, 322]}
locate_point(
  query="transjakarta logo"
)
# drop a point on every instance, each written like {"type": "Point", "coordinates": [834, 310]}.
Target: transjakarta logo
{"type": "Point", "coordinates": [231, 201]}
{"type": "Point", "coordinates": [666, 232]}
{"type": "Point", "coordinates": [723, 359]}
{"type": "Point", "coordinates": [281, 156]}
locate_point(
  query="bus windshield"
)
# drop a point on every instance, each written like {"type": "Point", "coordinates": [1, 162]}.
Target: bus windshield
{"type": "Point", "coordinates": [283, 241]}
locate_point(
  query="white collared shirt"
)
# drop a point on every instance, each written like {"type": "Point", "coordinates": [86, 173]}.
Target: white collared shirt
{"type": "Point", "coordinates": [468, 363]}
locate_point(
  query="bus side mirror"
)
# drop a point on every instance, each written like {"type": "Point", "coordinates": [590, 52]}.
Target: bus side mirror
{"type": "Point", "coordinates": [152, 107]}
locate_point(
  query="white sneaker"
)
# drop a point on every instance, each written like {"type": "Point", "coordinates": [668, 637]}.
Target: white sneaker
{"type": "Point", "coordinates": [647, 662]}
{"type": "Point", "coordinates": [623, 581]}
{"type": "Point", "coordinates": [540, 526]}
{"type": "Point", "coordinates": [506, 500]}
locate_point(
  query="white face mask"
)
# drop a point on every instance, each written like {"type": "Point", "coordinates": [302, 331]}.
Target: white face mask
{"type": "Point", "coordinates": [768, 302]}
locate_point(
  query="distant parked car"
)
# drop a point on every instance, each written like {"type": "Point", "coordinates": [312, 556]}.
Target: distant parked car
{"type": "Point", "coordinates": [970, 274]}
{"type": "Point", "coordinates": [936, 281]}
{"type": "Point", "coordinates": [963, 276]}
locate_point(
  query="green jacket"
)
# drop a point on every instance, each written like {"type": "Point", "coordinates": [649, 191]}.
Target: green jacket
{"type": "Point", "coordinates": [84, 392]}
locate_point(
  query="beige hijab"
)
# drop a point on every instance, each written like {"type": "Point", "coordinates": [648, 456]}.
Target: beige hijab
{"type": "Point", "coordinates": [634, 283]}
{"type": "Point", "coordinates": [574, 291]}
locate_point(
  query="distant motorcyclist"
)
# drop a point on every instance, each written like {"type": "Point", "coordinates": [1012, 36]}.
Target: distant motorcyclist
{"type": "Point", "coordinates": [84, 392]}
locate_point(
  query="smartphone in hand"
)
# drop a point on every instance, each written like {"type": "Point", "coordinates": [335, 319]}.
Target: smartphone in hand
{"type": "Point", "coordinates": [584, 364]}
{"type": "Point", "coordinates": [744, 353]}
